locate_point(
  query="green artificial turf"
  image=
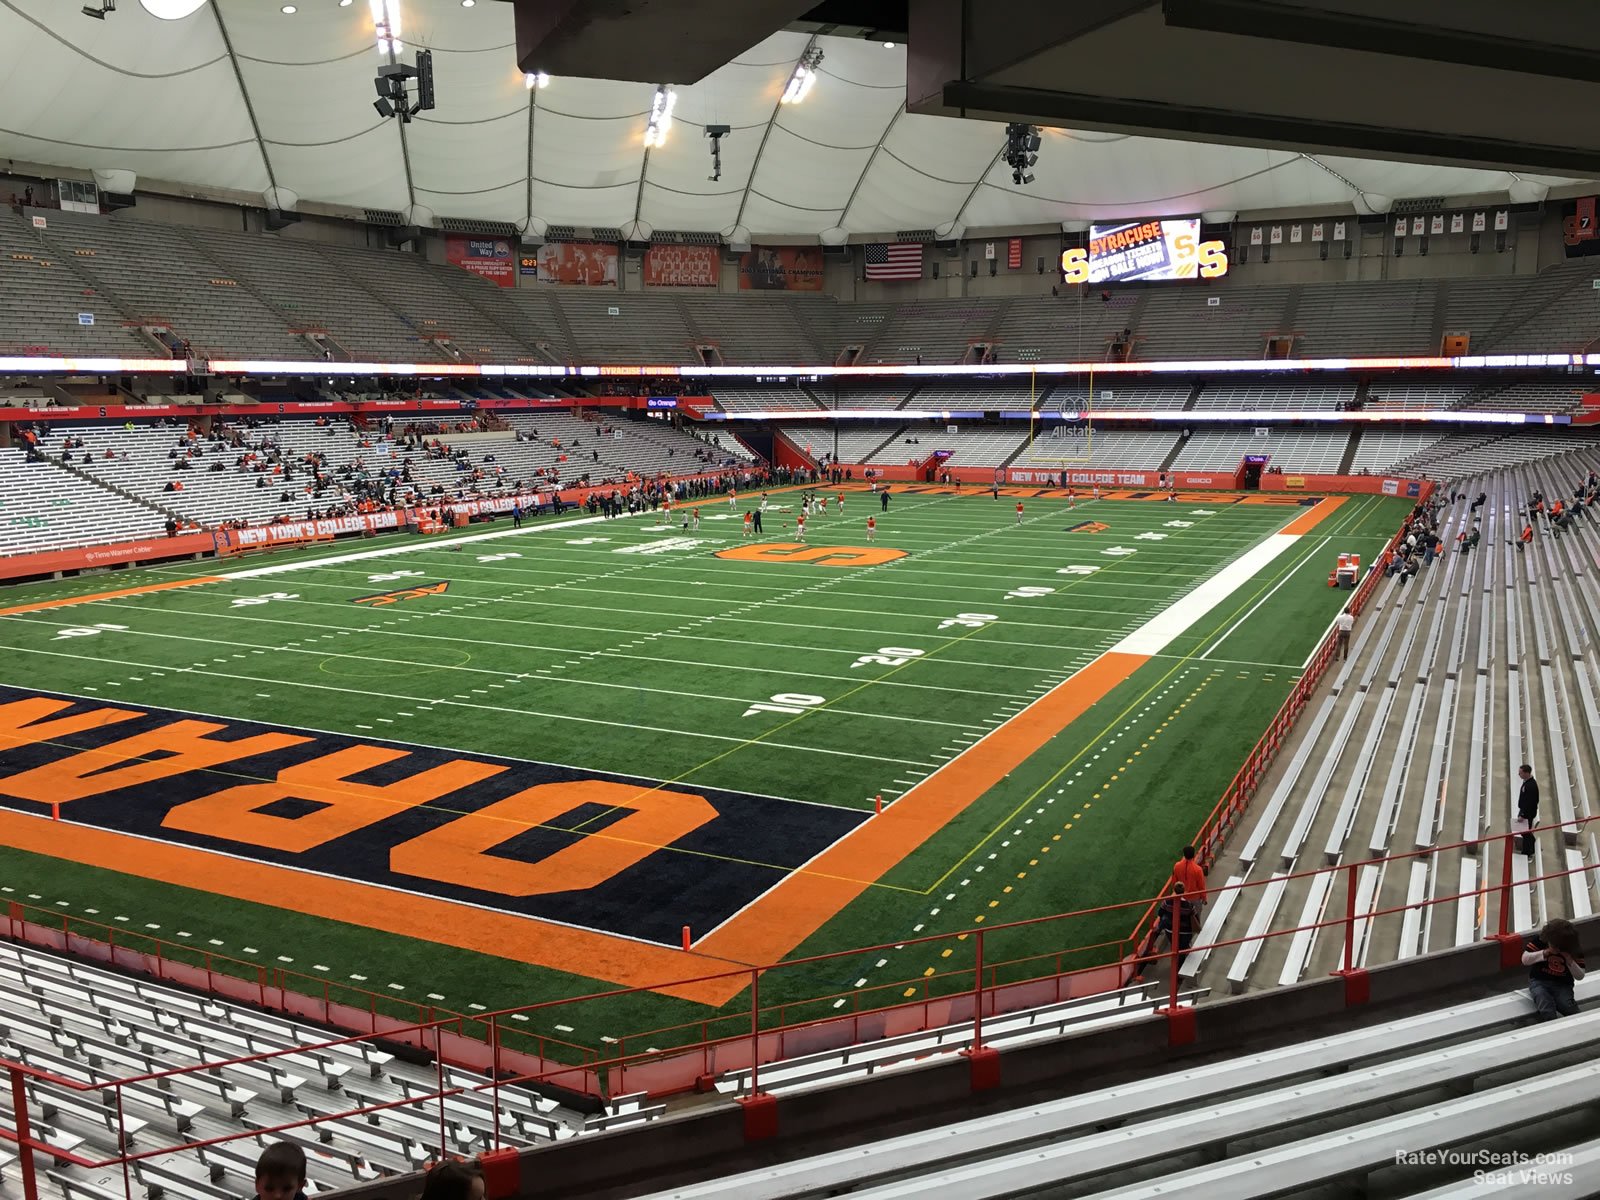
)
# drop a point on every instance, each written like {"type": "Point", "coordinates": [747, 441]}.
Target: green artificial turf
{"type": "Point", "coordinates": [570, 646]}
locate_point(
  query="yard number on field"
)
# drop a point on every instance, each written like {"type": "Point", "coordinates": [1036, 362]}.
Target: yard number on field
{"type": "Point", "coordinates": [789, 703]}
{"type": "Point", "coordinates": [968, 621]}
{"type": "Point", "coordinates": [888, 656]}
{"type": "Point", "coordinates": [1075, 570]}
{"type": "Point", "coordinates": [248, 601]}
{"type": "Point", "coordinates": [1180, 524]}
{"type": "Point", "coordinates": [89, 631]}
{"type": "Point", "coordinates": [1028, 593]}
{"type": "Point", "coordinates": [394, 576]}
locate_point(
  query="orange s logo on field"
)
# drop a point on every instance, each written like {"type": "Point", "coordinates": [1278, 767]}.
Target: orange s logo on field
{"type": "Point", "coordinates": [1089, 527]}
{"type": "Point", "coordinates": [413, 593]}
{"type": "Point", "coordinates": [816, 556]}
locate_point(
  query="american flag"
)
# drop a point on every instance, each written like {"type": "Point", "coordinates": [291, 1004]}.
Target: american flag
{"type": "Point", "coordinates": [894, 260]}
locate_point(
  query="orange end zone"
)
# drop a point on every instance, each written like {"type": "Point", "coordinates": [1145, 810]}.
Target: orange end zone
{"type": "Point", "coordinates": [42, 605]}
{"type": "Point", "coordinates": [788, 914]}
{"type": "Point", "coordinates": [520, 939]}
{"type": "Point", "coordinates": [1315, 515]}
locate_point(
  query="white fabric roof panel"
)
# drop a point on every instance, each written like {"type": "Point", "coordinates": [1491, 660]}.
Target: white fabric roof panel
{"type": "Point", "coordinates": [168, 100]}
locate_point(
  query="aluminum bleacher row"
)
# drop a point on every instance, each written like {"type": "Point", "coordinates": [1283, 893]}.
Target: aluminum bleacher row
{"type": "Point", "coordinates": [1315, 1114]}
{"type": "Point", "coordinates": [243, 295]}
{"type": "Point", "coordinates": [96, 498]}
{"type": "Point", "coordinates": [45, 508]}
{"type": "Point", "coordinates": [92, 1026]}
{"type": "Point", "coordinates": [1486, 660]}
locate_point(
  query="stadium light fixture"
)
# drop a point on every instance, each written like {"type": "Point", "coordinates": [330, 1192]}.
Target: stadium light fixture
{"type": "Point", "coordinates": [171, 10]}
{"type": "Point", "coordinates": [1022, 151]}
{"type": "Point", "coordinates": [535, 79]}
{"type": "Point", "coordinates": [716, 133]}
{"type": "Point", "coordinates": [386, 25]}
{"type": "Point", "coordinates": [655, 130]}
{"type": "Point", "coordinates": [804, 77]}
{"type": "Point", "coordinates": [99, 14]}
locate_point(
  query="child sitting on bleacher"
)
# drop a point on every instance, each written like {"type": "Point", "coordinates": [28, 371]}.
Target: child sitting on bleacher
{"type": "Point", "coordinates": [281, 1173]}
{"type": "Point", "coordinates": [1555, 961]}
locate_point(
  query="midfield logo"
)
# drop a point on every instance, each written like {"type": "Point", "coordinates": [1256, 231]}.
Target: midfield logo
{"type": "Point", "coordinates": [1088, 527]}
{"type": "Point", "coordinates": [411, 593]}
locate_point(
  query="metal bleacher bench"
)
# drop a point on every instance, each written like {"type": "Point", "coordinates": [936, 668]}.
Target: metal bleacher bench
{"type": "Point", "coordinates": [1053, 1142]}
{"type": "Point", "coordinates": [1298, 1166]}
{"type": "Point", "coordinates": [160, 1179]}
{"type": "Point", "coordinates": [829, 1066]}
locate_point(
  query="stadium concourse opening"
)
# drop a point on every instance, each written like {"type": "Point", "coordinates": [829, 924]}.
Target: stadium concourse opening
{"type": "Point", "coordinates": [848, 575]}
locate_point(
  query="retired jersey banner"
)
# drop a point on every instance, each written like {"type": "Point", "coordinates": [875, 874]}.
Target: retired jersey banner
{"type": "Point", "coordinates": [1436, 224]}
{"type": "Point", "coordinates": [1338, 231]}
{"type": "Point", "coordinates": [591, 264]}
{"type": "Point", "coordinates": [1316, 232]}
{"type": "Point", "coordinates": [1255, 235]}
{"type": "Point", "coordinates": [1296, 233]}
{"type": "Point", "coordinates": [493, 258]}
{"type": "Point", "coordinates": [1458, 222]}
{"type": "Point", "coordinates": [681, 266]}
{"type": "Point", "coordinates": [1579, 227]}
{"type": "Point", "coordinates": [781, 269]}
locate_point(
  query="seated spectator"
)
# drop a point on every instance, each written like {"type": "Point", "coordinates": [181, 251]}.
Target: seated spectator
{"type": "Point", "coordinates": [281, 1172]}
{"type": "Point", "coordinates": [1555, 961]}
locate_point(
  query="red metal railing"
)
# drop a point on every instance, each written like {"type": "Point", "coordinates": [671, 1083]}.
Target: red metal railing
{"type": "Point", "coordinates": [972, 995]}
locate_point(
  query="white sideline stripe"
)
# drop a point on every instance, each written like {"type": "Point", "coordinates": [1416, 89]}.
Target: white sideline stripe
{"type": "Point", "coordinates": [408, 548]}
{"type": "Point", "coordinates": [1156, 634]}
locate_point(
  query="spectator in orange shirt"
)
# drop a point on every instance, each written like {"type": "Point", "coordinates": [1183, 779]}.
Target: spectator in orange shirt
{"type": "Point", "coordinates": [1187, 872]}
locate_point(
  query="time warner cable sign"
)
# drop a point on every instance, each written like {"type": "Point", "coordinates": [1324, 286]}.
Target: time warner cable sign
{"type": "Point", "coordinates": [1155, 250]}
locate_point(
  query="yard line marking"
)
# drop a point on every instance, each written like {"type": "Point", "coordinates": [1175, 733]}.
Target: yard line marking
{"type": "Point", "coordinates": [121, 593]}
{"type": "Point", "coordinates": [553, 716]}
{"type": "Point", "coordinates": [784, 916]}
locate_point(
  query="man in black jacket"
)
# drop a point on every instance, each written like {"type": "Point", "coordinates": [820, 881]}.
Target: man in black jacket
{"type": "Point", "coordinates": [1527, 806]}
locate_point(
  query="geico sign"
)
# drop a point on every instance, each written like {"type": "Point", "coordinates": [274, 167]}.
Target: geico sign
{"type": "Point", "coordinates": [1210, 259]}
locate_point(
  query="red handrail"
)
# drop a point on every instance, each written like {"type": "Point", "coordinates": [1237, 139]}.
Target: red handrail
{"type": "Point", "coordinates": [983, 999]}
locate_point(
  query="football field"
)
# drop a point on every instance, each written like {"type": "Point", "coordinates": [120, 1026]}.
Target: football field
{"type": "Point", "coordinates": [502, 766]}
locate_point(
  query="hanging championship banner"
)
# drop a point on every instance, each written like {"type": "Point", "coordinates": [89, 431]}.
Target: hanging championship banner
{"type": "Point", "coordinates": [593, 264]}
{"type": "Point", "coordinates": [681, 266]}
{"type": "Point", "coordinates": [781, 269]}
